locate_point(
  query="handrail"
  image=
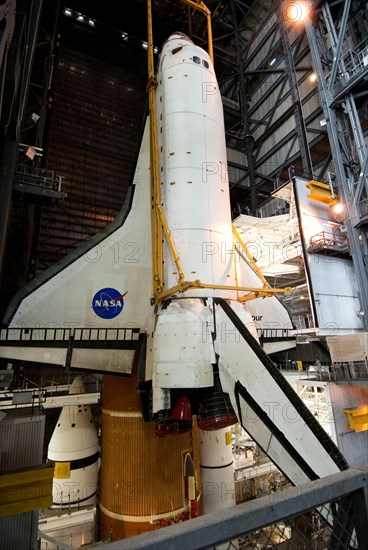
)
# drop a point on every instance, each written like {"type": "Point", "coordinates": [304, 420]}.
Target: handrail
{"type": "Point", "coordinates": [347, 490]}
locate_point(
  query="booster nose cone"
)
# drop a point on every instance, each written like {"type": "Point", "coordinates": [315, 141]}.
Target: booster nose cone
{"type": "Point", "coordinates": [74, 449]}
{"type": "Point", "coordinates": [75, 436]}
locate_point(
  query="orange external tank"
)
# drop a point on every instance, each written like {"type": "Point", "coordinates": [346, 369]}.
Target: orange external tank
{"type": "Point", "coordinates": [142, 483]}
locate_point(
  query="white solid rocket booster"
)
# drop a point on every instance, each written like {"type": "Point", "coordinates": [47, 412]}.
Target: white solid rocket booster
{"type": "Point", "coordinates": [74, 448]}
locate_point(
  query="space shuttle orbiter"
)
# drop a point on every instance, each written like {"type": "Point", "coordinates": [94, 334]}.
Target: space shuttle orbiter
{"type": "Point", "coordinates": [165, 281]}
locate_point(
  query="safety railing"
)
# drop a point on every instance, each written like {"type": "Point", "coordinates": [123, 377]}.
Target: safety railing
{"type": "Point", "coordinates": [327, 242]}
{"type": "Point", "coordinates": [353, 67]}
{"type": "Point", "coordinates": [38, 176]}
{"type": "Point", "coordinates": [356, 60]}
{"type": "Point", "coordinates": [329, 513]}
{"type": "Point", "coordinates": [353, 370]}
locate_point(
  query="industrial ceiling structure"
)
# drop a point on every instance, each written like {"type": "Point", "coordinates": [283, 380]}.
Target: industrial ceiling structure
{"type": "Point", "coordinates": [73, 103]}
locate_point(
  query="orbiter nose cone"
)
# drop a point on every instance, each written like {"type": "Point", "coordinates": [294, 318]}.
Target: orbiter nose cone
{"type": "Point", "coordinates": [177, 35]}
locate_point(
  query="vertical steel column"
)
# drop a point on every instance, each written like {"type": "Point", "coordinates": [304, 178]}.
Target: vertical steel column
{"type": "Point", "coordinates": [9, 155]}
{"type": "Point", "coordinates": [244, 100]}
{"type": "Point", "coordinates": [12, 138]}
{"type": "Point", "coordinates": [294, 91]}
{"type": "Point", "coordinates": [336, 43]}
{"type": "Point", "coordinates": [333, 124]}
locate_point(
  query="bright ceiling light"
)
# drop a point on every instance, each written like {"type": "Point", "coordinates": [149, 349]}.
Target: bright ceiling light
{"type": "Point", "coordinates": [294, 12]}
{"type": "Point", "coordinates": [313, 77]}
{"type": "Point", "coordinates": [80, 18]}
{"type": "Point", "coordinates": [338, 208]}
{"type": "Point", "coordinates": [91, 22]}
{"type": "Point", "coordinates": [67, 12]}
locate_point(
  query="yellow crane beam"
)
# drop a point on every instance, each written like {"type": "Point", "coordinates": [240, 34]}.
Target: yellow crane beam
{"type": "Point", "coordinates": [26, 490]}
{"type": "Point", "coordinates": [357, 418]}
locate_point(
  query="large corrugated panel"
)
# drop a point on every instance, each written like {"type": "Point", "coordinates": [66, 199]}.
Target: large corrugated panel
{"type": "Point", "coordinates": [21, 445]}
{"type": "Point", "coordinates": [96, 116]}
{"type": "Point", "coordinates": [21, 442]}
{"type": "Point", "coordinates": [335, 296]}
{"type": "Point", "coordinates": [19, 532]}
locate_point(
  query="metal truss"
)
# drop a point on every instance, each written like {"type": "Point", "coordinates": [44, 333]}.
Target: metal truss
{"type": "Point", "coordinates": [342, 69]}
{"type": "Point", "coordinates": [263, 78]}
{"type": "Point", "coordinates": [275, 62]}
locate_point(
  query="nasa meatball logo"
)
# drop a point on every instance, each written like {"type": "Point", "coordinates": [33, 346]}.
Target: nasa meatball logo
{"type": "Point", "coordinates": [108, 303]}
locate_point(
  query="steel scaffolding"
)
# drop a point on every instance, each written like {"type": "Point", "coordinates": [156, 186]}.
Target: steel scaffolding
{"type": "Point", "coordinates": [343, 69]}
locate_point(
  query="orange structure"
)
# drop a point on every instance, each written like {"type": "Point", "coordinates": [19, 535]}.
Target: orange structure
{"type": "Point", "coordinates": [142, 476]}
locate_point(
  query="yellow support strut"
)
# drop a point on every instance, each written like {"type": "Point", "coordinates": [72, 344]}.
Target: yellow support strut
{"type": "Point", "coordinates": [253, 292]}
{"type": "Point", "coordinates": [171, 243]}
{"type": "Point", "coordinates": [157, 270]}
{"type": "Point", "coordinates": [250, 257]}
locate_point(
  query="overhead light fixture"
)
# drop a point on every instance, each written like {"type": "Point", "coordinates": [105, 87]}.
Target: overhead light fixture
{"type": "Point", "coordinates": [124, 36]}
{"type": "Point", "coordinates": [67, 12]}
{"type": "Point", "coordinates": [337, 208]}
{"type": "Point", "coordinates": [145, 45]}
{"type": "Point", "coordinates": [155, 49]}
{"type": "Point", "coordinates": [295, 12]}
{"type": "Point", "coordinates": [337, 211]}
{"type": "Point", "coordinates": [80, 18]}
{"type": "Point", "coordinates": [313, 77]}
{"type": "Point", "coordinates": [322, 122]}
{"type": "Point", "coordinates": [273, 61]}
{"type": "Point", "coordinates": [91, 22]}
